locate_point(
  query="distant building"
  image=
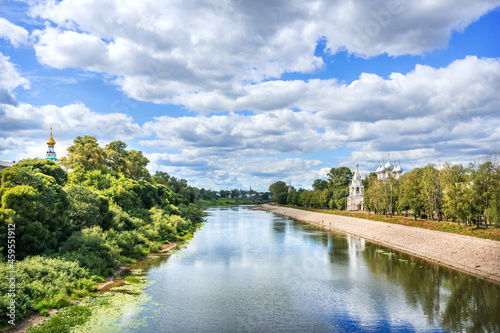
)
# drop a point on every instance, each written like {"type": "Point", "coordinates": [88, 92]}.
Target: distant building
{"type": "Point", "coordinates": [6, 164]}
{"type": "Point", "coordinates": [51, 154]}
{"type": "Point", "coordinates": [384, 171]}
{"type": "Point", "coordinates": [356, 192]}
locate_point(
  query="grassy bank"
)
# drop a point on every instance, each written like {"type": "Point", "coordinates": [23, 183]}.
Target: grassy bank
{"type": "Point", "coordinates": [88, 310]}
{"type": "Point", "coordinates": [445, 226]}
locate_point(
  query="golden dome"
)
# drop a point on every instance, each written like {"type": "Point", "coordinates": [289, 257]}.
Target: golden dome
{"type": "Point", "coordinates": [51, 140]}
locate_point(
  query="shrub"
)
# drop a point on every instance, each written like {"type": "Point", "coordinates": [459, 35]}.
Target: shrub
{"type": "Point", "coordinates": [64, 320]}
{"type": "Point", "coordinates": [39, 279]}
{"type": "Point", "coordinates": [79, 294]}
{"type": "Point", "coordinates": [87, 208]}
{"type": "Point", "coordinates": [47, 167]}
{"type": "Point", "coordinates": [132, 243]}
{"type": "Point", "coordinates": [125, 260]}
{"type": "Point", "coordinates": [91, 249]}
{"type": "Point", "coordinates": [97, 278]}
{"type": "Point", "coordinates": [132, 279]}
{"type": "Point", "coordinates": [121, 220]}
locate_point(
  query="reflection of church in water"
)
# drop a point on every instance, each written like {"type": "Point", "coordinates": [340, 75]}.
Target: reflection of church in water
{"type": "Point", "coordinates": [357, 190]}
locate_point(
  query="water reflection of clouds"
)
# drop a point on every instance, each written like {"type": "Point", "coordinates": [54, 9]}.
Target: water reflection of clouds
{"type": "Point", "coordinates": [256, 271]}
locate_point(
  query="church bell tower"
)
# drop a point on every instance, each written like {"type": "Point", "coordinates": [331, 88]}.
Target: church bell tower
{"type": "Point", "coordinates": [51, 154]}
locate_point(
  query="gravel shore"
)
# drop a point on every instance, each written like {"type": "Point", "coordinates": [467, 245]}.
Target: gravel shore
{"type": "Point", "coordinates": [476, 256]}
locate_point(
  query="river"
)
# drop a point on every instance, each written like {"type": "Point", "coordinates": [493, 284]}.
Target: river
{"type": "Point", "coordinates": [253, 271]}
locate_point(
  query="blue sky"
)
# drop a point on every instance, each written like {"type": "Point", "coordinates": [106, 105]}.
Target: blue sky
{"type": "Point", "coordinates": [236, 94]}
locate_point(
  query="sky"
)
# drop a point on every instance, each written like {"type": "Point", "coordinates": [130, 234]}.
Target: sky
{"type": "Point", "coordinates": [232, 94]}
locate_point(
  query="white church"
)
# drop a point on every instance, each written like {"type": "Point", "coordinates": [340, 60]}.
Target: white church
{"type": "Point", "coordinates": [357, 190]}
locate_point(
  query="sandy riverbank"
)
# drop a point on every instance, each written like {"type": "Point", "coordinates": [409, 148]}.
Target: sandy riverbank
{"type": "Point", "coordinates": [480, 257]}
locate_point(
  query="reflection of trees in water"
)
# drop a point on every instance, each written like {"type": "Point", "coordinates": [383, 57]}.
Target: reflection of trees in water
{"type": "Point", "coordinates": [453, 300]}
{"type": "Point", "coordinates": [338, 249]}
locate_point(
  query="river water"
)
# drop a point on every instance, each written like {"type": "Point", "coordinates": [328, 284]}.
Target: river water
{"type": "Point", "coordinates": [253, 271]}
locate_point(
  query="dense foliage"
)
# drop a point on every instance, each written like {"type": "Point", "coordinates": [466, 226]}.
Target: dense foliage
{"type": "Point", "coordinates": [41, 279]}
{"type": "Point", "coordinates": [72, 225]}
{"type": "Point", "coordinates": [331, 193]}
{"type": "Point", "coordinates": [464, 194]}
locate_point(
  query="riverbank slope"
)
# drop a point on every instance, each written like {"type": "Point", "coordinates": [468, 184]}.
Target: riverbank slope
{"type": "Point", "coordinates": [479, 257]}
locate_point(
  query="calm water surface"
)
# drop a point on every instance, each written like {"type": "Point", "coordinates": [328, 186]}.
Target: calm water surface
{"type": "Point", "coordinates": [254, 271]}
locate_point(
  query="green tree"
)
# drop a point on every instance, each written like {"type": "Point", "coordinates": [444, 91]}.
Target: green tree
{"type": "Point", "coordinates": [97, 180]}
{"type": "Point", "coordinates": [484, 184]}
{"type": "Point", "coordinates": [390, 187]}
{"type": "Point", "coordinates": [85, 153]}
{"type": "Point", "coordinates": [87, 208]}
{"type": "Point", "coordinates": [476, 191]}
{"type": "Point", "coordinates": [136, 165]}
{"type": "Point", "coordinates": [161, 177]}
{"type": "Point", "coordinates": [282, 198]}
{"type": "Point", "coordinates": [373, 196]}
{"type": "Point", "coordinates": [131, 163]}
{"type": "Point", "coordinates": [277, 188]}
{"type": "Point", "coordinates": [340, 177]}
{"type": "Point", "coordinates": [410, 192]}
{"type": "Point", "coordinates": [432, 191]}
{"type": "Point", "coordinates": [366, 180]}
{"type": "Point", "coordinates": [91, 248]}
{"type": "Point", "coordinates": [39, 205]}
{"type": "Point", "coordinates": [455, 203]}
{"type": "Point", "coordinates": [493, 211]}
{"type": "Point", "coordinates": [339, 180]}
{"type": "Point", "coordinates": [47, 167]}
{"type": "Point", "coordinates": [324, 198]}
{"type": "Point", "coordinates": [320, 184]}
{"type": "Point", "coordinates": [116, 156]}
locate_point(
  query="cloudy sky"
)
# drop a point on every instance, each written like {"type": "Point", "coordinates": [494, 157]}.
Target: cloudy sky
{"type": "Point", "coordinates": [232, 94]}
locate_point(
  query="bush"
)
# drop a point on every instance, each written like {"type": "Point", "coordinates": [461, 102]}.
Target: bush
{"type": "Point", "coordinates": [47, 167]}
{"type": "Point", "coordinates": [91, 249]}
{"type": "Point", "coordinates": [125, 260]}
{"type": "Point", "coordinates": [40, 207]}
{"type": "Point", "coordinates": [39, 279]}
{"type": "Point", "coordinates": [64, 320]}
{"type": "Point", "coordinates": [121, 220]}
{"type": "Point", "coordinates": [87, 208]}
{"type": "Point", "coordinates": [132, 279]}
{"type": "Point", "coordinates": [162, 224]}
{"type": "Point", "coordinates": [97, 278]}
{"type": "Point", "coordinates": [131, 243]}
{"type": "Point", "coordinates": [79, 294]}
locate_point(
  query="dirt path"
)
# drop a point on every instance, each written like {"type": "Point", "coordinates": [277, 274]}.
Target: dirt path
{"type": "Point", "coordinates": [479, 257]}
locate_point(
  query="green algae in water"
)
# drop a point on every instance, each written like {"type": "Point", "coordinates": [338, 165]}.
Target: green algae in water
{"type": "Point", "coordinates": [101, 312]}
{"type": "Point", "coordinates": [138, 271]}
{"type": "Point", "coordinates": [122, 306]}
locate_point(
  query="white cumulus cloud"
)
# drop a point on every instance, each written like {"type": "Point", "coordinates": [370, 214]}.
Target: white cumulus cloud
{"type": "Point", "coordinates": [170, 52]}
{"type": "Point", "coordinates": [16, 35]}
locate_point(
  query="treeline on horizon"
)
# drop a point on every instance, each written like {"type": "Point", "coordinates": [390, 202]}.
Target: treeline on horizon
{"type": "Point", "coordinates": [73, 228]}
{"type": "Point", "coordinates": [470, 195]}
